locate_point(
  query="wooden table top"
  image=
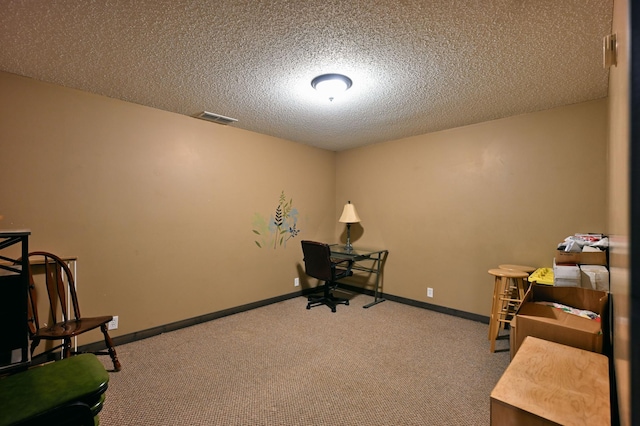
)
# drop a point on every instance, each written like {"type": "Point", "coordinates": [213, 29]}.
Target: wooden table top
{"type": "Point", "coordinates": [558, 383]}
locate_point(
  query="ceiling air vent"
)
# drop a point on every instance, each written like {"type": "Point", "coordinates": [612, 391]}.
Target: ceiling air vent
{"type": "Point", "coordinates": [216, 118]}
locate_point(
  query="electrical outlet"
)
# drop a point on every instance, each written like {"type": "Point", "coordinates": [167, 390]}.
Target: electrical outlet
{"type": "Point", "coordinates": [429, 292]}
{"type": "Point", "coordinates": [296, 282]}
{"type": "Point", "coordinates": [113, 324]}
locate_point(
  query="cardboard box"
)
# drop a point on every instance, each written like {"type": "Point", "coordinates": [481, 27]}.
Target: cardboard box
{"type": "Point", "coordinates": [555, 325]}
{"type": "Point", "coordinates": [595, 277]}
{"type": "Point", "coordinates": [583, 258]}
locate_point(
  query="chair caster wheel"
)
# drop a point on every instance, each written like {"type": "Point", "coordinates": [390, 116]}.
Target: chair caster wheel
{"type": "Point", "coordinates": [308, 307]}
{"type": "Point", "coordinates": [346, 303]}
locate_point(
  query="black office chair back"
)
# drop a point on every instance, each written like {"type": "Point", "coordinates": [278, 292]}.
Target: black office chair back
{"type": "Point", "coordinates": [317, 260]}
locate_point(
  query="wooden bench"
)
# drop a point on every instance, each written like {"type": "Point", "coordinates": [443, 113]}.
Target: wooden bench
{"type": "Point", "coordinates": [66, 392]}
{"type": "Point", "coordinates": [552, 384]}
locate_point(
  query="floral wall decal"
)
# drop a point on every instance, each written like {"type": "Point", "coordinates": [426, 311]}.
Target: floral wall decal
{"type": "Point", "coordinates": [281, 226]}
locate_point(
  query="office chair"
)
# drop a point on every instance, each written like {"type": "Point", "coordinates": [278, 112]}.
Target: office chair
{"type": "Point", "coordinates": [59, 280]}
{"type": "Point", "coordinates": [318, 264]}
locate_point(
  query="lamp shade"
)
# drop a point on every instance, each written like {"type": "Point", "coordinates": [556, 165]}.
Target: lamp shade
{"type": "Point", "coordinates": [349, 214]}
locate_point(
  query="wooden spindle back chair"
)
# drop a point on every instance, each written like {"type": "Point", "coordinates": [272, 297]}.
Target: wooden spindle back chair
{"type": "Point", "coordinates": [66, 320]}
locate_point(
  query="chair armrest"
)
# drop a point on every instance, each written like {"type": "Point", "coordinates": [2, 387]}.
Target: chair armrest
{"type": "Point", "coordinates": [73, 414]}
{"type": "Point", "coordinates": [69, 387]}
{"type": "Point", "coordinates": [336, 261]}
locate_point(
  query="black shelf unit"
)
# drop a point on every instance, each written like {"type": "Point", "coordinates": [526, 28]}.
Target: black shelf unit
{"type": "Point", "coordinates": [14, 285]}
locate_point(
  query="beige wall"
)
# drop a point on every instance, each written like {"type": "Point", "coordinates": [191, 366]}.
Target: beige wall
{"type": "Point", "coordinates": [157, 207]}
{"type": "Point", "coordinates": [619, 225]}
{"type": "Point", "coordinates": [451, 205]}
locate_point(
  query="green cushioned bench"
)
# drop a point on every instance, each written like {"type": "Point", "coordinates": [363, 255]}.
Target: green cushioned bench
{"type": "Point", "coordinates": [66, 392]}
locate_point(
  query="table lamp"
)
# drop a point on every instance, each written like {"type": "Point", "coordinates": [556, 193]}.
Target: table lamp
{"type": "Point", "coordinates": [349, 216]}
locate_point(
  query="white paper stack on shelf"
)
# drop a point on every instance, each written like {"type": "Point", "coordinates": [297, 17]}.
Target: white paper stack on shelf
{"type": "Point", "coordinates": [566, 275]}
{"type": "Point", "coordinates": [591, 249]}
{"type": "Point", "coordinates": [595, 277]}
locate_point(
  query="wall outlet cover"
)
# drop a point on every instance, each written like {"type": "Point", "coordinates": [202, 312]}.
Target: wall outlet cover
{"type": "Point", "coordinates": [113, 324]}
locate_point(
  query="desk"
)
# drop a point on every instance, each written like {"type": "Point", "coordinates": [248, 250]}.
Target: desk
{"type": "Point", "coordinates": [365, 260]}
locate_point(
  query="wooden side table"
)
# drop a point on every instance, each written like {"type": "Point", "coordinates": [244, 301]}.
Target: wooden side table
{"type": "Point", "coordinates": [552, 384]}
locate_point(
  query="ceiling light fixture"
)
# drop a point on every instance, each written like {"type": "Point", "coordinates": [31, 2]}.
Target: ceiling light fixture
{"type": "Point", "coordinates": [331, 85]}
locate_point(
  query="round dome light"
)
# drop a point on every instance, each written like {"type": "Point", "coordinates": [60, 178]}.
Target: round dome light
{"type": "Point", "coordinates": [331, 85]}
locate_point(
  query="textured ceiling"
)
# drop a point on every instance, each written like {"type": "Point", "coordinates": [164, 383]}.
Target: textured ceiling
{"type": "Point", "coordinates": [416, 66]}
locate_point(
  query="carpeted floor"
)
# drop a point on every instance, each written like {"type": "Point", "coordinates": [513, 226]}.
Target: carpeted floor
{"type": "Point", "coordinates": [282, 364]}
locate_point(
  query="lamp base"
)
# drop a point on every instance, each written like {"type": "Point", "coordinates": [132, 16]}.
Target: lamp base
{"type": "Point", "coordinates": [348, 247]}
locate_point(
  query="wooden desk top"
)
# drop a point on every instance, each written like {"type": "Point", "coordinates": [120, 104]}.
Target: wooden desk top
{"type": "Point", "coordinates": [558, 383]}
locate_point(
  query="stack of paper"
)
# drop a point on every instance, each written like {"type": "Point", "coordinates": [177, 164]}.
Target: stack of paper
{"type": "Point", "coordinates": [566, 275]}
